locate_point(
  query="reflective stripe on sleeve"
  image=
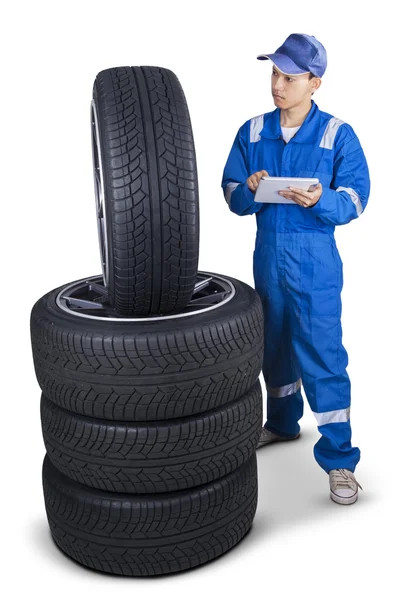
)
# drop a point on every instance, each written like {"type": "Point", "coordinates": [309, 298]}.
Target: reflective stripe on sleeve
{"type": "Point", "coordinates": [333, 416]}
{"type": "Point", "coordinates": [256, 124]}
{"type": "Point", "coordinates": [354, 196]}
{"type": "Point", "coordinates": [284, 390]}
{"type": "Point", "coordinates": [229, 189]}
{"type": "Point", "coordinates": [330, 132]}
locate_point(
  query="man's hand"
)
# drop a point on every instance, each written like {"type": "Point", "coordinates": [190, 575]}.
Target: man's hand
{"type": "Point", "coordinates": [254, 180]}
{"type": "Point", "coordinates": [302, 197]}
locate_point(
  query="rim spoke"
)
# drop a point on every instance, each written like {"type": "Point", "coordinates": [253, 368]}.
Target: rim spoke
{"type": "Point", "coordinates": [208, 300]}
{"type": "Point", "coordinates": [97, 287]}
{"type": "Point", "coordinates": [97, 176]}
{"type": "Point", "coordinates": [203, 305]}
{"type": "Point", "coordinates": [101, 232]}
{"type": "Point", "coordinates": [81, 303]}
{"type": "Point", "coordinates": [201, 284]}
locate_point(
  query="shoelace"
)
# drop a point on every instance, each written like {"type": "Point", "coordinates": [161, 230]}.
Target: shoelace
{"type": "Point", "coordinates": [340, 476]}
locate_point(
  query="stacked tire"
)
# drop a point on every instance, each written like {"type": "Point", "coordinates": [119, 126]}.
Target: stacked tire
{"type": "Point", "coordinates": [151, 407]}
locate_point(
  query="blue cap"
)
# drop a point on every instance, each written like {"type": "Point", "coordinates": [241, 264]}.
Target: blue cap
{"type": "Point", "coordinates": [299, 53]}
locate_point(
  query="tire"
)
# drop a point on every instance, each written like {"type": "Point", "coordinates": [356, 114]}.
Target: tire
{"type": "Point", "coordinates": [147, 172]}
{"type": "Point", "coordinates": [154, 534]}
{"type": "Point", "coordinates": [150, 370]}
{"type": "Point", "coordinates": [153, 457]}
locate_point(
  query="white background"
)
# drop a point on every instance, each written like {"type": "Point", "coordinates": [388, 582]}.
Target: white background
{"type": "Point", "coordinates": [301, 542]}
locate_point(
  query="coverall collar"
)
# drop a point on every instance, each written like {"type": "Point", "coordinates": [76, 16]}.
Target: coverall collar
{"type": "Point", "coordinates": [307, 133]}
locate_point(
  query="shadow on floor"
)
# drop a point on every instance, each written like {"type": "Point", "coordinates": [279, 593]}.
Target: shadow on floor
{"type": "Point", "coordinates": [292, 487]}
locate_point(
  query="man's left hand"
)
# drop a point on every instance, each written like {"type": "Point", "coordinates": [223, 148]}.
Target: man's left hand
{"type": "Point", "coordinates": [303, 197]}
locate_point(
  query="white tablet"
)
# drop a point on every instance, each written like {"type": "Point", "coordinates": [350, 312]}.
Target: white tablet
{"type": "Point", "coordinates": [268, 188]}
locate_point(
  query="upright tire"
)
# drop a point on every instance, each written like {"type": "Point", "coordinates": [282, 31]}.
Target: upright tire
{"type": "Point", "coordinates": [146, 189]}
{"type": "Point", "coordinates": [154, 534]}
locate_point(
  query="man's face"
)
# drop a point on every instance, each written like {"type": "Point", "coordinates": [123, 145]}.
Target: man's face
{"type": "Point", "coordinates": [290, 90]}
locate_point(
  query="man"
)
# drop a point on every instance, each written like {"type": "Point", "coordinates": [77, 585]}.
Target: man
{"type": "Point", "coordinates": [297, 267]}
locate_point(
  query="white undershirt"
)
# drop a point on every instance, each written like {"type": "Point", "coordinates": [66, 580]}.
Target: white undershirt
{"type": "Point", "coordinates": [288, 132]}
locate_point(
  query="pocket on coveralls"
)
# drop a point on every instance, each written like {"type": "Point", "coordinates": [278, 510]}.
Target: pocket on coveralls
{"type": "Point", "coordinates": [320, 281]}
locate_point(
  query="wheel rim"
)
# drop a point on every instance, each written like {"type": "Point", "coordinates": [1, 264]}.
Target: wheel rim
{"type": "Point", "coordinates": [88, 298]}
{"type": "Point", "coordinates": [99, 193]}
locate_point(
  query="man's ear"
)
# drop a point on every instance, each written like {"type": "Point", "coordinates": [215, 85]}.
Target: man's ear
{"type": "Point", "coordinates": [317, 82]}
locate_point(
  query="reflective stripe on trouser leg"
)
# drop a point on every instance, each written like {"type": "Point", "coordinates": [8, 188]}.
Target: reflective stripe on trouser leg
{"type": "Point", "coordinates": [284, 390]}
{"type": "Point", "coordinates": [280, 367]}
{"type": "Point", "coordinates": [284, 403]}
{"type": "Point", "coordinates": [323, 358]}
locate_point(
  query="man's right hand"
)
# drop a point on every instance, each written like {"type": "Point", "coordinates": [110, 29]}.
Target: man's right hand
{"type": "Point", "coordinates": [254, 180]}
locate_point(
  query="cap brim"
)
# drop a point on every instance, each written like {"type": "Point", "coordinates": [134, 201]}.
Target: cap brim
{"type": "Point", "coordinates": [284, 63]}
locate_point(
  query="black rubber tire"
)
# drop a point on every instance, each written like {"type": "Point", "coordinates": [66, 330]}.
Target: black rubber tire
{"type": "Point", "coordinates": [153, 457]}
{"type": "Point", "coordinates": [151, 370]}
{"type": "Point", "coordinates": [154, 534]}
{"type": "Point", "coordinates": [150, 189]}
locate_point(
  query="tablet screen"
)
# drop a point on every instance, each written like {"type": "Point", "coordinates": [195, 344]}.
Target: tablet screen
{"type": "Point", "coordinates": [268, 188]}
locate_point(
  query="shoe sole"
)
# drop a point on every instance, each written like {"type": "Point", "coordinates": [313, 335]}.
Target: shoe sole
{"type": "Point", "coordinates": [274, 441]}
{"type": "Point", "coordinates": [340, 500]}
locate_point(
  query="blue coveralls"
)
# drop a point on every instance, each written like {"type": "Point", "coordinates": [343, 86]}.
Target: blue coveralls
{"type": "Point", "coordinates": [298, 270]}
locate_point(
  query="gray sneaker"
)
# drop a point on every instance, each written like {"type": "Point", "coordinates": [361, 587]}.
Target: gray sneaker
{"type": "Point", "coordinates": [344, 486]}
{"type": "Point", "coordinates": [267, 437]}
